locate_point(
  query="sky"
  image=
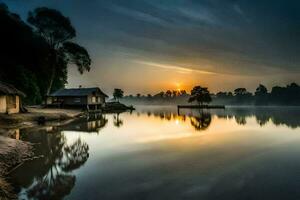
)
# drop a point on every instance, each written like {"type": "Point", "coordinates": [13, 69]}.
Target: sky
{"type": "Point", "coordinates": [147, 46]}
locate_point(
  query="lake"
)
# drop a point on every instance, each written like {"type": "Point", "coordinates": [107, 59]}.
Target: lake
{"type": "Point", "coordinates": [157, 153]}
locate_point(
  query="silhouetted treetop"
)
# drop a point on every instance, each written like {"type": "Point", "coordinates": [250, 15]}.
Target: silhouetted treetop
{"type": "Point", "coordinates": [77, 55]}
{"type": "Point", "coordinates": [118, 94]}
{"type": "Point", "coordinates": [52, 25]}
{"type": "Point", "coordinates": [57, 30]}
{"type": "Point", "coordinates": [200, 94]}
{"type": "Point", "coordinates": [240, 91]}
{"type": "Point", "coordinates": [261, 90]}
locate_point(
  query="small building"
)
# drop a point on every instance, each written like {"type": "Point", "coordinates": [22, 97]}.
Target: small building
{"type": "Point", "coordinates": [87, 98]}
{"type": "Point", "coordinates": [9, 99]}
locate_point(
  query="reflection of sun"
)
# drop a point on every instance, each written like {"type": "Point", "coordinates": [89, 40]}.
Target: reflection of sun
{"type": "Point", "coordinates": [176, 121]}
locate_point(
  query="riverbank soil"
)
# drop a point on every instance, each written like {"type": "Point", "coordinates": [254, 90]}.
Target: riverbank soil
{"type": "Point", "coordinates": [12, 153]}
{"type": "Point", "coordinates": [34, 115]}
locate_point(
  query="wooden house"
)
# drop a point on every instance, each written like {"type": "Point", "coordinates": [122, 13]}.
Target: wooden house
{"type": "Point", "coordinates": [87, 98]}
{"type": "Point", "coordinates": [9, 98]}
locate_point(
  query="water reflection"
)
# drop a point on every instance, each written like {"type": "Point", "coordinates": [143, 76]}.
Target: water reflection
{"type": "Point", "coordinates": [201, 122]}
{"type": "Point", "coordinates": [157, 146]}
{"type": "Point", "coordinates": [118, 122]}
{"type": "Point", "coordinates": [50, 177]}
{"type": "Point", "coordinates": [90, 123]}
{"type": "Point", "coordinates": [289, 116]}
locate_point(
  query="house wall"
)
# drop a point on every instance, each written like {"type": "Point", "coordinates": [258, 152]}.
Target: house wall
{"type": "Point", "coordinates": [2, 104]}
{"type": "Point", "coordinates": [9, 104]}
{"type": "Point", "coordinates": [49, 100]}
{"type": "Point", "coordinates": [102, 99]}
{"type": "Point", "coordinates": [74, 100]}
{"type": "Point", "coordinates": [98, 99]}
{"type": "Point", "coordinates": [15, 108]}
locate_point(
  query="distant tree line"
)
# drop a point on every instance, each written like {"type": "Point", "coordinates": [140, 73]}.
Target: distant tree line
{"type": "Point", "coordinates": [34, 55]}
{"type": "Point", "coordinates": [288, 95]}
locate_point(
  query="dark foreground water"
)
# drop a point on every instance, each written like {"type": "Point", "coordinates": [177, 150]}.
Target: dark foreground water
{"type": "Point", "coordinates": [154, 153]}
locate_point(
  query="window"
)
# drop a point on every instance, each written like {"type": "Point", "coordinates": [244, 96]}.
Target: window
{"type": "Point", "coordinates": [93, 99]}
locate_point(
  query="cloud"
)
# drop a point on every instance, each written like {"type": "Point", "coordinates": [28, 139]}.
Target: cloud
{"type": "Point", "coordinates": [224, 37]}
{"type": "Point", "coordinates": [174, 67]}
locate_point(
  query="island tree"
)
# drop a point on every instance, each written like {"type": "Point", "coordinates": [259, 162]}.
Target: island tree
{"type": "Point", "coordinates": [118, 94]}
{"type": "Point", "coordinates": [200, 95]}
{"type": "Point", "coordinates": [57, 31]}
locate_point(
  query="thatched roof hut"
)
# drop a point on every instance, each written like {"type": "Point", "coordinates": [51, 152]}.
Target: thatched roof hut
{"type": "Point", "coordinates": [7, 89]}
{"type": "Point", "coordinates": [9, 98]}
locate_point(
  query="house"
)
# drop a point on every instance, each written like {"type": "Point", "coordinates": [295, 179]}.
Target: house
{"type": "Point", "coordinates": [9, 98]}
{"type": "Point", "coordinates": [87, 98]}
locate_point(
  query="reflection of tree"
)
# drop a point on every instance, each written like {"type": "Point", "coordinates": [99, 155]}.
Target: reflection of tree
{"type": "Point", "coordinates": [54, 187]}
{"type": "Point", "coordinates": [262, 119]}
{"type": "Point", "coordinates": [201, 122]}
{"type": "Point", "coordinates": [75, 155]}
{"type": "Point", "coordinates": [117, 121]}
{"type": "Point", "coordinates": [241, 120]}
{"type": "Point", "coordinates": [52, 177]}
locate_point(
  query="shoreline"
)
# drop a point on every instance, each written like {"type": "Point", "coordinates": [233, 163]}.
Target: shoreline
{"type": "Point", "coordinates": [14, 152]}
{"type": "Point", "coordinates": [34, 116]}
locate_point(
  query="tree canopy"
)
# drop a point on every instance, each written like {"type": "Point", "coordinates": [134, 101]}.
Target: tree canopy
{"type": "Point", "coordinates": [57, 31]}
{"type": "Point", "coordinates": [118, 94]}
{"type": "Point", "coordinates": [200, 94]}
{"type": "Point", "coordinates": [35, 56]}
{"type": "Point", "coordinates": [51, 25]}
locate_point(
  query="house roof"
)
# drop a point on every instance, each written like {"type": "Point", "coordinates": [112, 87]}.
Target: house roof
{"type": "Point", "coordinates": [8, 89]}
{"type": "Point", "coordinates": [76, 92]}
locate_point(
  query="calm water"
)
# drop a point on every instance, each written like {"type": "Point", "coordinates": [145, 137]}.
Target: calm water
{"type": "Point", "coordinates": [154, 153]}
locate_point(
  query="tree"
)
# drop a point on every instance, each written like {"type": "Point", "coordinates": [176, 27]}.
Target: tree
{"type": "Point", "coordinates": [183, 93]}
{"type": "Point", "coordinates": [200, 94]}
{"type": "Point", "coordinates": [168, 93]}
{"type": "Point", "coordinates": [175, 93]}
{"type": "Point", "coordinates": [242, 95]}
{"type": "Point", "coordinates": [240, 91]}
{"type": "Point", "coordinates": [261, 90]}
{"type": "Point", "coordinates": [57, 30]}
{"type": "Point", "coordinates": [261, 95]}
{"type": "Point", "coordinates": [118, 94]}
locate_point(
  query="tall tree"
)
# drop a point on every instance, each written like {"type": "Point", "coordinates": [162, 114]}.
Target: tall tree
{"type": "Point", "coordinates": [57, 31]}
{"type": "Point", "coordinates": [200, 94]}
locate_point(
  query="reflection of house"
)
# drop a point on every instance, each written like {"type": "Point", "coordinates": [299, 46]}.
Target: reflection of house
{"type": "Point", "coordinates": [90, 98]}
{"type": "Point", "coordinates": [90, 124]}
{"type": "Point", "coordinates": [9, 99]}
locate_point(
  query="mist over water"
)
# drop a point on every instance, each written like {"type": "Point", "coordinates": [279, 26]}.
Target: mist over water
{"type": "Point", "coordinates": [157, 153]}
